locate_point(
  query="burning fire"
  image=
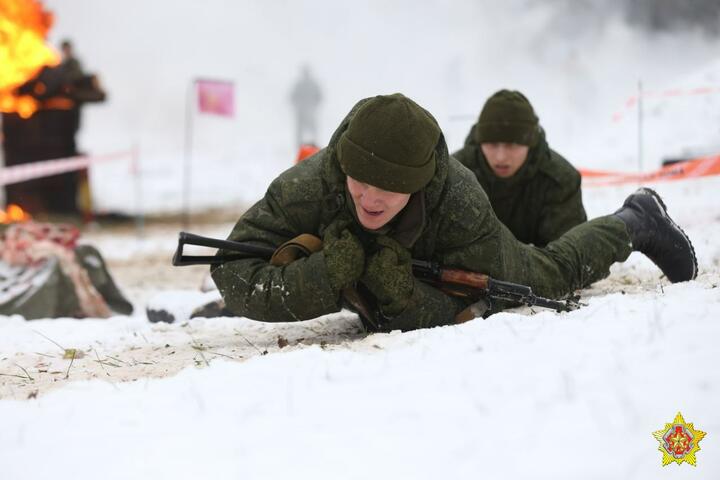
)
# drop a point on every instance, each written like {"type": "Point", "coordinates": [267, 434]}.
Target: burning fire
{"type": "Point", "coordinates": [14, 213]}
{"type": "Point", "coordinates": [24, 25]}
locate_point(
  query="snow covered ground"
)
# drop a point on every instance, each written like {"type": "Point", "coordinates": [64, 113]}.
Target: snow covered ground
{"type": "Point", "coordinates": [522, 394]}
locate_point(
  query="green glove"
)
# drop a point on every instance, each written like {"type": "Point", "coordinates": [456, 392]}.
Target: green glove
{"type": "Point", "coordinates": [388, 275]}
{"type": "Point", "coordinates": [344, 256]}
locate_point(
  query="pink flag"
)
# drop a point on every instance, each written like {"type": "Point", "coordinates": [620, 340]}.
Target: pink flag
{"type": "Point", "coordinates": [215, 97]}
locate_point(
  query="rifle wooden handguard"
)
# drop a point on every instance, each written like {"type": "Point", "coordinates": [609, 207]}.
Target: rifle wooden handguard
{"type": "Point", "coordinates": [463, 277]}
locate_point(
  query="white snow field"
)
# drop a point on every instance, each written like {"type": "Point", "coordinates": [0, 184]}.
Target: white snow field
{"type": "Point", "coordinates": [526, 394]}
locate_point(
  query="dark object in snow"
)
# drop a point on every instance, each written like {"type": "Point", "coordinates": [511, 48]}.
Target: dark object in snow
{"type": "Point", "coordinates": [156, 315]}
{"type": "Point", "coordinates": [44, 291]}
{"type": "Point", "coordinates": [213, 309]}
{"type": "Point", "coordinates": [35, 291]}
{"type": "Point", "coordinates": [44, 274]}
{"type": "Point", "coordinates": [655, 234]}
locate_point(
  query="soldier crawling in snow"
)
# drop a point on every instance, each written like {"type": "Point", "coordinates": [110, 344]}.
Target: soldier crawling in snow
{"type": "Point", "coordinates": [533, 190]}
{"type": "Point", "coordinates": [384, 191]}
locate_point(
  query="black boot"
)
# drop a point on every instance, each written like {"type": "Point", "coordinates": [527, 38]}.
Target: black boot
{"type": "Point", "coordinates": [654, 233]}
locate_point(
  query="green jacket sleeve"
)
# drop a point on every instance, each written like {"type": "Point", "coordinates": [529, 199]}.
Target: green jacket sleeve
{"type": "Point", "coordinates": [297, 291]}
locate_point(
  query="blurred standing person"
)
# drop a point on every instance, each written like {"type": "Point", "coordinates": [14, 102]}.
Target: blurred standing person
{"type": "Point", "coordinates": [71, 66]}
{"type": "Point", "coordinates": [533, 190]}
{"type": "Point", "coordinates": [71, 74]}
{"type": "Point", "coordinates": [305, 98]}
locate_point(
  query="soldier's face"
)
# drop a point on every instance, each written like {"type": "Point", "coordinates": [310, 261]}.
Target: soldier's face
{"type": "Point", "coordinates": [505, 159]}
{"type": "Point", "coordinates": [375, 207]}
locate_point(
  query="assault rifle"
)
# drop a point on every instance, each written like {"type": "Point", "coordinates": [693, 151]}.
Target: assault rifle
{"type": "Point", "coordinates": [459, 283]}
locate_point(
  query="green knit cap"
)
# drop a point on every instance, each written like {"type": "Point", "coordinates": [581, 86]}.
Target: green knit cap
{"type": "Point", "coordinates": [507, 117]}
{"type": "Point", "coordinates": [390, 144]}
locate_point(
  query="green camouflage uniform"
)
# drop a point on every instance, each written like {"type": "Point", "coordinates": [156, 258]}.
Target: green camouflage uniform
{"type": "Point", "coordinates": [450, 221]}
{"type": "Point", "coordinates": [540, 202]}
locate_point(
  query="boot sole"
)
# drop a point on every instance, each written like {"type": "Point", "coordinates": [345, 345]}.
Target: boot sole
{"type": "Point", "coordinates": [663, 208]}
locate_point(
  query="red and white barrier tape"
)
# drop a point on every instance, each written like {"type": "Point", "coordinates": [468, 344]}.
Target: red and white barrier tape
{"type": "Point", "coordinates": [699, 167]}
{"type": "Point", "coordinates": [48, 168]}
{"type": "Point", "coordinates": [631, 102]}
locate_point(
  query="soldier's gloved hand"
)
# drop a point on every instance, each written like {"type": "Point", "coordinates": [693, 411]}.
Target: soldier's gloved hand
{"type": "Point", "coordinates": [388, 275]}
{"type": "Point", "coordinates": [344, 256]}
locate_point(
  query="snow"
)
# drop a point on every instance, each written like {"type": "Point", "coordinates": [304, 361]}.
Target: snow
{"type": "Point", "coordinates": [523, 394]}
{"type": "Point", "coordinates": [542, 396]}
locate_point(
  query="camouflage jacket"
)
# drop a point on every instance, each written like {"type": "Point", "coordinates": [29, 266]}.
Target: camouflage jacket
{"type": "Point", "coordinates": [540, 202]}
{"type": "Point", "coordinates": [456, 227]}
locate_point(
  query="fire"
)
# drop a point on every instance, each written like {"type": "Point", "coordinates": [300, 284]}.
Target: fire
{"type": "Point", "coordinates": [24, 25]}
{"type": "Point", "coordinates": [14, 213]}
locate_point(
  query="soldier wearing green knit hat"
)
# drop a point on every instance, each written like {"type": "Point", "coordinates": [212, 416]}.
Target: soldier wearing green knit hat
{"type": "Point", "coordinates": [385, 191]}
{"type": "Point", "coordinates": [534, 191]}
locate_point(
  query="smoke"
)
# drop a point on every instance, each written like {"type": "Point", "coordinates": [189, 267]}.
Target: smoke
{"type": "Point", "coordinates": [674, 15]}
{"type": "Point", "coordinates": [576, 18]}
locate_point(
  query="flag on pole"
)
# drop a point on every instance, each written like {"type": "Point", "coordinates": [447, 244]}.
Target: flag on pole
{"type": "Point", "coordinates": [216, 97]}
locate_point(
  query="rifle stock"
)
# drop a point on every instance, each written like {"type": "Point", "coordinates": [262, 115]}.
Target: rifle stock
{"type": "Point", "coordinates": [455, 282]}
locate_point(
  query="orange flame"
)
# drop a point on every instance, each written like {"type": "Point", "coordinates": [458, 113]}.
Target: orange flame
{"type": "Point", "coordinates": [24, 25]}
{"type": "Point", "coordinates": [14, 213]}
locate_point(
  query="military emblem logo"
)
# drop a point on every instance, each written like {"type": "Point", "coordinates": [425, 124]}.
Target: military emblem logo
{"type": "Point", "coordinates": [679, 441]}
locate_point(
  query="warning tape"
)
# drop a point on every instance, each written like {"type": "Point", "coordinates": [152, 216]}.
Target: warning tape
{"type": "Point", "coordinates": [699, 167]}
{"type": "Point", "coordinates": [48, 168]}
{"type": "Point", "coordinates": [696, 168]}
{"type": "Point", "coordinates": [673, 92]}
